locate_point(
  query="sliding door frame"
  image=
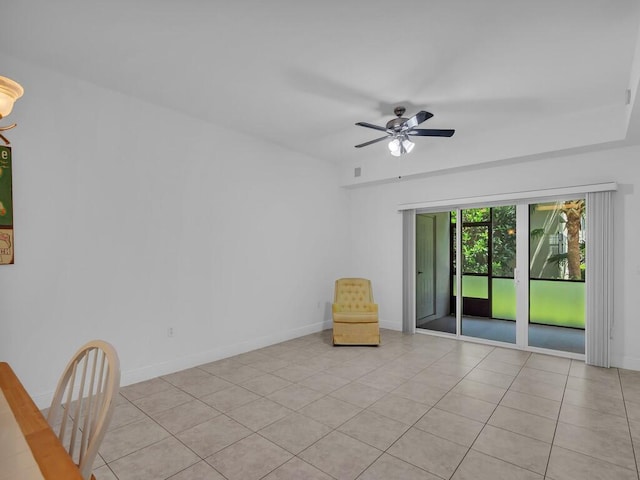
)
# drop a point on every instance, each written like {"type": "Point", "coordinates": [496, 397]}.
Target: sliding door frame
{"type": "Point", "coordinates": [521, 200]}
{"type": "Point", "coordinates": [521, 273]}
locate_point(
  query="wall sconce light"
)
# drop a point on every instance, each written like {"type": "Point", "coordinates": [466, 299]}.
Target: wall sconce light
{"type": "Point", "coordinates": [10, 91]}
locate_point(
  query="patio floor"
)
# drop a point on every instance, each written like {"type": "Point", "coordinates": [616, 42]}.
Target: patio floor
{"type": "Point", "coordinates": [542, 336]}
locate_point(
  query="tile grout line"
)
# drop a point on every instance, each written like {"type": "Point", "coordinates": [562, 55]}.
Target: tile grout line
{"type": "Point", "coordinates": [413, 425]}
{"type": "Point", "coordinates": [489, 418]}
{"type": "Point", "coordinates": [382, 452]}
{"type": "Point", "coordinates": [626, 412]}
{"type": "Point", "coordinates": [553, 438]}
{"type": "Point", "coordinates": [387, 362]}
{"type": "Point", "coordinates": [262, 396]}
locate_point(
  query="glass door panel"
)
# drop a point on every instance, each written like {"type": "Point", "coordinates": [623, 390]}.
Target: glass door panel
{"type": "Point", "coordinates": [488, 260]}
{"type": "Point", "coordinates": [433, 286]}
{"type": "Point", "coordinates": [556, 275]}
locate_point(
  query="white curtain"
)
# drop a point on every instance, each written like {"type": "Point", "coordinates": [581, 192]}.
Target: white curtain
{"type": "Point", "coordinates": [599, 277]}
{"type": "Point", "coordinates": [408, 271]}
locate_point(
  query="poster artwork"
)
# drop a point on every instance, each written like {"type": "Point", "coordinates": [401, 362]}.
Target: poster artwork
{"type": "Point", "coordinates": [6, 207]}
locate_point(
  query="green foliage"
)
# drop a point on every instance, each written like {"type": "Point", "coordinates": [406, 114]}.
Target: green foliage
{"type": "Point", "coordinates": [475, 240]}
{"type": "Point", "coordinates": [555, 249]}
{"type": "Point", "coordinates": [475, 249]}
{"type": "Point", "coordinates": [504, 241]}
{"type": "Point", "coordinates": [537, 233]}
{"type": "Point", "coordinates": [475, 215]}
{"type": "Point", "coordinates": [560, 259]}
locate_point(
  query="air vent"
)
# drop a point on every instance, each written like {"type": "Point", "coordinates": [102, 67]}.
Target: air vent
{"type": "Point", "coordinates": [357, 171]}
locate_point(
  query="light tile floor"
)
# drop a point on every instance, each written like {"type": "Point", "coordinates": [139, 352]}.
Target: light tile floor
{"type": "Point", "coordinates": [417, 407]}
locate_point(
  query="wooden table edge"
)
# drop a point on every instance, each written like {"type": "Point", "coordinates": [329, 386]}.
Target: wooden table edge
{"type": "Point", "coordinates": [52, 458]}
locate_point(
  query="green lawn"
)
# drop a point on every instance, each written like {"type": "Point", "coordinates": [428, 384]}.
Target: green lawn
{"type": "Point", "coordinates": [554, 303]}
{"type": "Point", "coordinates": [550, 302]}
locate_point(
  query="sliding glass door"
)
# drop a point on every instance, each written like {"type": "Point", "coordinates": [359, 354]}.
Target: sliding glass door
{"type": "Point", "coordinates": [488, 255]}
{"type": "Point", "coordinates": [557, 275]}
{"type": "Point", "coordinates": [469, 283]}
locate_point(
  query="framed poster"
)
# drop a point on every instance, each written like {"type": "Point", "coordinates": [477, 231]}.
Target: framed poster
{"type": "Point", "coordinates": [6, 207]}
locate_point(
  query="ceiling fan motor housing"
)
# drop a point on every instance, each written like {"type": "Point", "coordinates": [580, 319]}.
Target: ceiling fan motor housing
{"type": "Point", "coordinates": [396, 124]}
{"type": "Point", "coordinates": [399, 111]}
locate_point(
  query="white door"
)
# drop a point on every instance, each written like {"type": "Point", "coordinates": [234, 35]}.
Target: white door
{"type": "Point", "coordinates": [425, 266]}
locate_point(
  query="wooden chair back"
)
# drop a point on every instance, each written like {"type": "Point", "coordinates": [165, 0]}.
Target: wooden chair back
{"type": "Point", "coordinates": [83, 403]}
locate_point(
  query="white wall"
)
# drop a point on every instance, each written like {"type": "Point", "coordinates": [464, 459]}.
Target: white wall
{"type": "Point", "coordinates": [377, 225]}
{"type": "Point", "coordinates": [130, 219]}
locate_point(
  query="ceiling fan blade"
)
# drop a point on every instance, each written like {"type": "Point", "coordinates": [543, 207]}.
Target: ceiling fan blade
{"type": "Point", "coordinates": [372, 141]}
{"type": "Point", "coordinates": [417, 119]}
{"type": "Point", "coordinates": [427, 132]}
{"type": "Point", "coordinates": [371, 125]}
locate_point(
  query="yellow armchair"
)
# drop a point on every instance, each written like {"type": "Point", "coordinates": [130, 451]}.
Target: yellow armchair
{"type": "Point", "coordinates": [355, 315]}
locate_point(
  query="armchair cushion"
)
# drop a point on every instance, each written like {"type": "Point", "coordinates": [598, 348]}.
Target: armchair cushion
{"type": "Point", "coordinates": [368, 316]}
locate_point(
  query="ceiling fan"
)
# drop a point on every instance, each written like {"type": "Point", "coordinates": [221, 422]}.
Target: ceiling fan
{"type": "Point", "coordinates": [400, 129]}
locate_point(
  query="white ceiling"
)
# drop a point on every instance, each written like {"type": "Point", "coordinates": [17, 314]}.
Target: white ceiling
{"type": "Point", "coordinates": [551, 74]}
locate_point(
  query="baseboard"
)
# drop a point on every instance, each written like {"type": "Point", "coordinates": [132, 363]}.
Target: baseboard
{"type": "Point", "coordinates": [148, 372]}
{"type": "Point", "coordinates": [152, 371]}
{"type": "Point", "coordinates": [628, 363]}
{"type": "Point", "coordinates": [391, 325]}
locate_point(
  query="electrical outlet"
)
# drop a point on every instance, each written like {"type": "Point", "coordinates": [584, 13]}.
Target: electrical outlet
{"type": "Point", "coordinates": [170, 332]}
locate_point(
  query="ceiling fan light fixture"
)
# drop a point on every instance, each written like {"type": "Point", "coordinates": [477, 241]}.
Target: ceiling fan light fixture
{"type": "Point", "coordinates": [394, 147]}
{"type": "Point", "coordinates": [400, 145]}
{"type": "Point", "coordinates": [408, 145]}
